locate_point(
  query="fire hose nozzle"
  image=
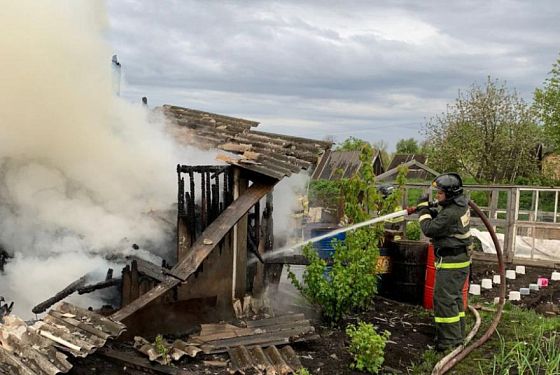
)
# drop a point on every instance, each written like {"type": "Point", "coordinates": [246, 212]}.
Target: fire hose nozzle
{"type": "Point", "coordinates": [412, 210]}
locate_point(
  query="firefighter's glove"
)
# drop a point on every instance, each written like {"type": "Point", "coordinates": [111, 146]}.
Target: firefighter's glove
{"type": "Point", "coordinates": [423, 204]}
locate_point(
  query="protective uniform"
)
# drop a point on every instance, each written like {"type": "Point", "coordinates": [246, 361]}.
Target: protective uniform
{"type": "Point", "coordinates": [449, 230]}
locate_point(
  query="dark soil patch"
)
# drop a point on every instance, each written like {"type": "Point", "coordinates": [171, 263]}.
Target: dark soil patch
{"type": "Point", "coordinates": [411, 329]}
{"type": "Point", "coordinates": [543, 300]}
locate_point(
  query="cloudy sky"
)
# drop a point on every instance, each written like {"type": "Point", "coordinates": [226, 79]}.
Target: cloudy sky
{"type": "Point", "coordinates": [370, 69]}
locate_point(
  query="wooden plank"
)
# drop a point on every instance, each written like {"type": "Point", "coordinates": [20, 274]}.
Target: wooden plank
{"type": "Point", "coordinates": [233, 331]}
{"type": "Point", "coordinates": [202, 247]}
{"type": "Point", "coordinates": [285, 336]}
{"type": "Point", "coordinates": [277, 320]}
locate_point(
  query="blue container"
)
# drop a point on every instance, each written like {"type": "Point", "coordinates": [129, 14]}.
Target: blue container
{"type": "Point", "coordinates": [325, 247]}
{"type": "Point", "coordinates": [327, 273]}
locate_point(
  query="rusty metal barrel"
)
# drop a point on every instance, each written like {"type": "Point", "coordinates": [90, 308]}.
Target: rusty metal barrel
{"type": "Point", "coordinates": [408, 272]}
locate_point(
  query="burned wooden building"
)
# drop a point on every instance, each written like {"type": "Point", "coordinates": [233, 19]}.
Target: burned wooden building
{"type": "Point", "coordinates": [224, 218]}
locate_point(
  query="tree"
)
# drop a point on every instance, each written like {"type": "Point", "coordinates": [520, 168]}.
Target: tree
{"type": "Point", "coordinates": [489, 133]}
{"type": "Point", "coordinates": [408, 146]}
{"type": "Point", "coordinates": [547, 106]}
{"type": "Point", "coordinates": [352, 144]}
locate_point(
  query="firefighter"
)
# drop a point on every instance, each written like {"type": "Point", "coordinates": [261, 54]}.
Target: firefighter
{"type": "Point", "coordinates": [449, 230]}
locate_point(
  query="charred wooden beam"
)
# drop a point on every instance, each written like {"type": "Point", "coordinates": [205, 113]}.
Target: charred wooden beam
{"type": "Point", "coordinates": [4, 256]}
{"type": "Point", "coordinates": [203, 213]}
{"type": "Point", "coordinates": [100, 285]}
{"type": "Point", "coordinates": [200, 250]}
{"type": "Point", "coordinates": [180, 192]}
{"type": "Point", "coordinates": [5, 308]}
{"type": "Point", "coordinates": [216, 198]}
{"type": "Point", "coordinates": [43, 306]}
{"type": "Point", "coordinates": [202, 168]}
{"type": "Point", "coordinates": [209, 218]}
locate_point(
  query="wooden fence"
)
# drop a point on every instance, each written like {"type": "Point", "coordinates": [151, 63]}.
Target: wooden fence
{"type": "Point", "coordinates": [519, 213]}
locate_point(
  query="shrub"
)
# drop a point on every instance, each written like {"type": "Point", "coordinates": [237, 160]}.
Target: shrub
{"type": "Point", "coordinates": [412, 231]}
{"type": "Point", "coordinates": [367, 347]}
{"type": "Point", "coordinates": [351, 281]}
{"type": "Point", "coordinates": [161, 348]}
{"type": "Point", "coordinates": [325, 193]}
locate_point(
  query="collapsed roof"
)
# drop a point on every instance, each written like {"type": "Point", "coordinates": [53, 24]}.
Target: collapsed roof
{"type": "Point", "coordinates": [271, 154]}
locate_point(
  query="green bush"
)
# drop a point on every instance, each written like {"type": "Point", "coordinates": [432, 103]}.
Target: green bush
{"type": "Point", "coordinates": [412, 230]}
{"type": "Point", "coordinates": [161, 348]}
{"type": "Point", "coordinates": [324, 193]}
{"type": "Point", "coordinates": [349, 284]}
{"type": "Point", "coordinates": [367, 347]}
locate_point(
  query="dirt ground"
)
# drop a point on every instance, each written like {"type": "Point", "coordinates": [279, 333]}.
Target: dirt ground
{"type": "Point", "coordinates": [410, 326]}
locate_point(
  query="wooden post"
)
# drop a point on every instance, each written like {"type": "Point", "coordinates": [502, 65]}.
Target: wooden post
{"type": "Point", "coordinates": [493, 204]}
{"type": "Point", "coordinates": [511, 228]}
{"type": "Point", "coordinates": [240, 241]}
{"type": "Point", "coordinates": [125, 286]}
{"type": "Point", "coordinates": [183, 238]}
{"type": "Point", "coordinates": [134, 281]}
{"type": "Point", "coordinates": [260, 225]}
{"type": "Point", "coordinates": [272, 272]}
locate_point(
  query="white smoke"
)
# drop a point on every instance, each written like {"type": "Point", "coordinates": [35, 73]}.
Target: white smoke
{"type": "Point", "coordinates": [81, 170]}
{"type": "Point", "coordinates": [287, 202]}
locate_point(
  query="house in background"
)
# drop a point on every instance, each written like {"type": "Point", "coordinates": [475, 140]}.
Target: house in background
{"type": "Point", "coordinates": [417, 169]}
{"type": "Point", "coordinates": [335, 165]}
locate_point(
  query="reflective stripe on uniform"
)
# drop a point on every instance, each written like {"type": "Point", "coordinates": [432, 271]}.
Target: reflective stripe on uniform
{"type": "Point", "coordinates": [424, 217]}
{"type": "Point", "coordinates": [462, 236]}
{"type": "Point", "coordinates": [462, 314]}
{"type": "Point", "coordinates": [395, 220]}
{"type": "Point", "coordinates": [452, 266]}
{"type": "Point", "coordinates": [423, 204]}
{"type": "Point", "coordinates": [453, 319]}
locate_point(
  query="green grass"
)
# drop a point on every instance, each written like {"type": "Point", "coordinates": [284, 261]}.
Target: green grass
{"type": "Point", "coordinates": [525, 343]}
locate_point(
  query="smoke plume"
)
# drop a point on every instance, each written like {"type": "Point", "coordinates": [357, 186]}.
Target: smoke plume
{"type": "Point", "coordinates": [83, 173]}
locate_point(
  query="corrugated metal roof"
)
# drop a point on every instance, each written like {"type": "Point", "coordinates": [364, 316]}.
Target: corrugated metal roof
{"type": "Point", "coordinates": [271, 154]}
{"type": "Point", "coordinates": [339, 164]}
{"type": "Point", "coordinates": [42, 348]}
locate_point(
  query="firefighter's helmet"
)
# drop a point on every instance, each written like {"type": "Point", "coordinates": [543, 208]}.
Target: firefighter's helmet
{"type": "Point", "coordinates": [450, 183]}
{"type": "Point", "coordinates": [385, 190]}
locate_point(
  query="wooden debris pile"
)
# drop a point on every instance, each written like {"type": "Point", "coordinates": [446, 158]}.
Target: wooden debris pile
{"type": "Point", "coordinates": [253, 346]}
{"type": "Point", "coordinates": [42, 348]}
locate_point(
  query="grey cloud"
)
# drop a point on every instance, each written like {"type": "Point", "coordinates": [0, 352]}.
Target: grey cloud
{"type": "Point", "coordinates": [303, 50]}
